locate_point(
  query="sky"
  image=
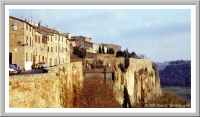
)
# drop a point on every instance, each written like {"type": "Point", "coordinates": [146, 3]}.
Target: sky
{"type": "Point", "coordinates": [160, 34]}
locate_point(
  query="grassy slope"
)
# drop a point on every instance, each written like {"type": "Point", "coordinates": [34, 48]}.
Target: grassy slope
{"type": "Point", "coordinates": [182, 92]}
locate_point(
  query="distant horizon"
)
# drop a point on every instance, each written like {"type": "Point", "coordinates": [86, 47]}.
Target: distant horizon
{"type": "Point", "coordinates": [159, 34]}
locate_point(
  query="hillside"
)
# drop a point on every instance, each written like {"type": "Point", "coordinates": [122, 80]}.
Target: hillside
{"type": "Point", "coordinates": [176, 75]}
{"type": "Point", "coordinates": [162, 66]}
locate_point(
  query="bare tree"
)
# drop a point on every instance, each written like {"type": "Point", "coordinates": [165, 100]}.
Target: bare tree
{"type": "Point", "coordinates": [96, 94]}
{"type": "Point", "coordinates": [142, 56]}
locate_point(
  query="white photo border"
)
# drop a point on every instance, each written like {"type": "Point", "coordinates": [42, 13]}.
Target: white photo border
{"type": "Point", "coordinates": [5, 110]}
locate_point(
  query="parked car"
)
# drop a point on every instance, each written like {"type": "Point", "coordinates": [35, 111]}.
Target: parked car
{"type": "Point", "coordinates": [41, 65]}
{"type": "Point", "coordinates": [11, 69]}
{"type": "Point", "coordinates": [17, 68]}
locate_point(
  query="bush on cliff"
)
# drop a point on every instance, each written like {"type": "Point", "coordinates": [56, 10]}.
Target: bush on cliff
{"type": "Point", "coordinates": [96, 94]}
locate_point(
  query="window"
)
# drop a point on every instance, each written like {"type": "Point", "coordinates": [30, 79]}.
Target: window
{"type": "Point", "coordinates": [30, 41]}
{"type": "Point", "coordinates": [62, 49]}
{"type": "Point", "coordinates": [56, 48]}
{"type": "Point", "coordinates": [51, 49]}
{"type": "Point", "coordinates": [32, 32]}
{"type": "Point", "coordinates": [48, 49]}
{"type": "Point", "coordinates": [51, 38]}
{"type": "Point", "coordinates": [66, 49]}
{"type": "Point", "coordinates": [38, 39]}
{"type": "Point", "coordinates": [62, 39]}
{"type": "Point", "coordinates": [35, 38]}
{"type": "Point", "coordinates": [62, 60]}
{"type": "Point", "coordinates": [36, 51]}
{"type": "Point", "coordinates": [27, 40]}
{"type": "Point", "coordinates": [26, 56]}
{"type": "Point", "coordinates": [26, 26]}
{"type": "Point", "coordinates": [48, 38]}
{"type": "Point", "coordinates": [56, 37]}
{"type": "Point", "coordinates": [30, 28]}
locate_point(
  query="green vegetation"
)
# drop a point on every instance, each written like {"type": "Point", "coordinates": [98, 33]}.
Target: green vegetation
{"type": "Point", "coordinates": [141, 71]}
{"type": "Point", "coordinates": [182, 92]}
{"type": "Point", "coordinates": [81, 52]}
{"type": "Point", "coordinates": [176, 75]}
{"type": "Point", "coordinates": [97, 64]}
{"type": "Point", "coordinates": [110, 51]}
{"type": "Point", "coordinates": [100, 50]}
{"type": "Point", "coordinates": [126, 53]}
{"type": "Point", "coordinates": [168, 100]}
{"type": "Point", "coordinates": [34, 65]}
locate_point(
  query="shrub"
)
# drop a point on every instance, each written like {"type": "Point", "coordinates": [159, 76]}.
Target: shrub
{"type": "Point", "coordinates": [96, 94]}
{"type": "Point", "coordinates": [121, 66]}
{"type": "Point", "coordinates": [141, 71]}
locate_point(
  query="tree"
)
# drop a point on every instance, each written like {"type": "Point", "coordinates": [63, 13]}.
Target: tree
{"type": "Point", "coordinates": [133, 55]}
{"type": "Point", "coordinates": [111, 51]}
{"type": "Point", "coordinates": [100, 49]}
{"type": "Point", "coordinates": [142, 56]}
{"type": "Point", "coordinates": [107, 51]}
{"type": "Point", "coordinates": [126, 53]}
{"type": "Point", "coordinates": [82, 53]}
{"type": "Point", "coordinates": [34, 65]}
{"type": "Point", "coordinates": [103, 51]}
{"type": "Point", "coordinates": [119, 53]}
{"type": "Point", "coordinates": [96, 94]}
{"type": "Point", "coordinates": [76, 50]}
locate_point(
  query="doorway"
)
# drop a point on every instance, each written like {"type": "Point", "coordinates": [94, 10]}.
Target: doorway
{"type": "Point", "coordinates": [10, 57]}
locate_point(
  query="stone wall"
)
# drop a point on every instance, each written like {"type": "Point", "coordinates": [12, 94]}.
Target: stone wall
{"type": "Point", "coordinates": [54, 89]}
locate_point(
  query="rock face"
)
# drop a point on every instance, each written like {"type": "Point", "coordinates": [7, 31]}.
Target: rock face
{"type": "Point", "coordinates": [139, 80]}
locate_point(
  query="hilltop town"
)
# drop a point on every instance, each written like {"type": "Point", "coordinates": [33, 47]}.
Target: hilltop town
{"type": "Point", "coordinates": [36, 43]}
{"type": "Point", "coordinates": [72, 64]}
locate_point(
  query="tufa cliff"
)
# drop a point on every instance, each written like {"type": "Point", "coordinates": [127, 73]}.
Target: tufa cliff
{"type": "Point", "coordinates": [138, 83]}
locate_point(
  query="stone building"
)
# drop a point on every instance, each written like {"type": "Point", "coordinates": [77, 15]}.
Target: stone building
{"type": "Point", "coordinates": [84, 42]}
{"type": "Point", "coordinates": [24, 43]}
{"type": "Point", "coordinates": [58, 46]}
{"type": "Point", "coordinates": [115, 47]}
{"type": "Point", "coordinates": [28, 40]}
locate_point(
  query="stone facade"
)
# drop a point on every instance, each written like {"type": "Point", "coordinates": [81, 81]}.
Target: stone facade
{"type": "Point", "coordinates": [84, 42]}
{"type": "Point", "coordinates": [24, 41]}
{"type": "Point", "coordinates": [54, 89]}
{"type": "Point", "coordinates": [29, 39]}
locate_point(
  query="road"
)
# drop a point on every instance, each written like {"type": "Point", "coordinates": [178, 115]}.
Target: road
{"type": "Point", "coordinates": [34, 71]}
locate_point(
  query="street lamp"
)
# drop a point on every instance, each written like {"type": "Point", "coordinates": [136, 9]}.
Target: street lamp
{"type": "Point", "coordinates": [14, 26]}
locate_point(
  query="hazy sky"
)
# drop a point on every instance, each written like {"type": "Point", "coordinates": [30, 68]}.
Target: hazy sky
{"type": "Point", "coordinates": [161, 35]}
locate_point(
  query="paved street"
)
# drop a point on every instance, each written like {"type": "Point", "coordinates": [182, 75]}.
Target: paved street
{"type": "Point", "coordinates": [35, 71]}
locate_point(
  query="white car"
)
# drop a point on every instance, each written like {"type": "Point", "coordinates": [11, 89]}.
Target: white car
{"type": "Point", "coordinates": [41, 65]}
{"type": "Point", "coordinates": [11, 69]}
